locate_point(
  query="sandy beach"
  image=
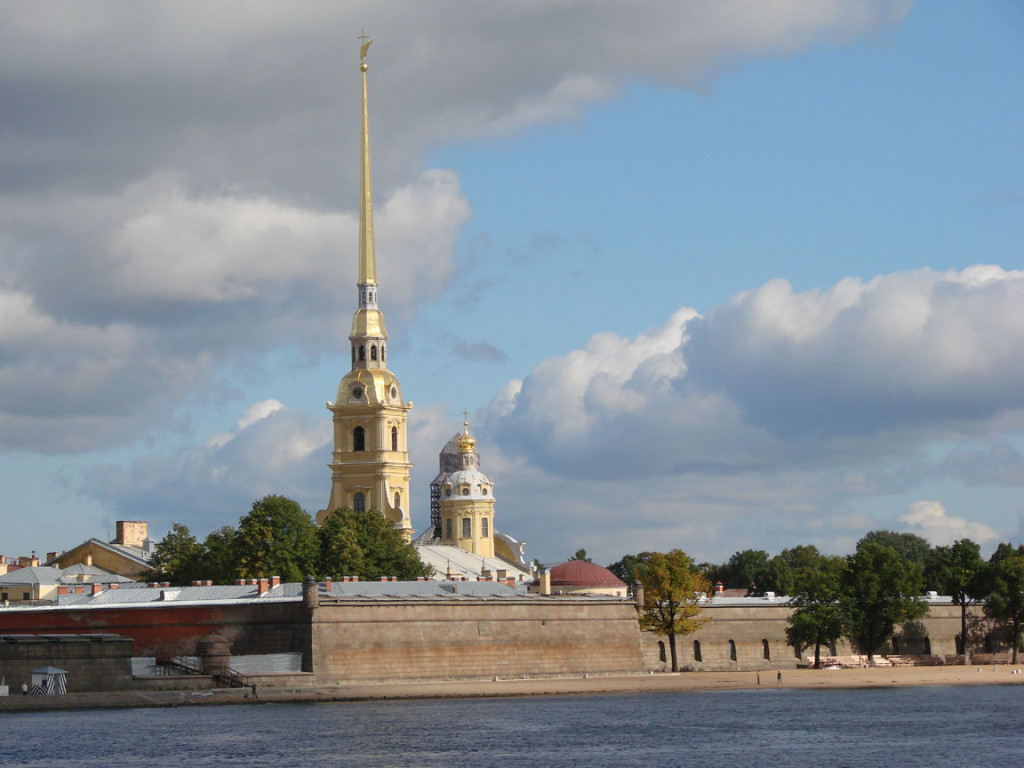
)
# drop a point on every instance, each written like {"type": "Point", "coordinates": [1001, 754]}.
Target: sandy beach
{"type": "Point", "coordinates": [625, 684]}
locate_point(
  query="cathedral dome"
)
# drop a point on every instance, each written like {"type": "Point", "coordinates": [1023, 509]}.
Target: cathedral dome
{"type": "Point", "coordinates": [581, 575]}
{"type": "Point", "coordinates": [468, 482]}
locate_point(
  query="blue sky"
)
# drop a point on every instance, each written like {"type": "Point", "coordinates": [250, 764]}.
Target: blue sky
{"type": "Point", "coordinates": [704, 276]}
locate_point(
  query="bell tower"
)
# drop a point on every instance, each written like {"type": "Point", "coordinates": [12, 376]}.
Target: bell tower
{"type": "Point", "coordinates": [370, 464]}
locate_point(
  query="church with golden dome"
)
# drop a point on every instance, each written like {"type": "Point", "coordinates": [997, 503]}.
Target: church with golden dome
{"type": "Point", "coordinates": [370, 465]}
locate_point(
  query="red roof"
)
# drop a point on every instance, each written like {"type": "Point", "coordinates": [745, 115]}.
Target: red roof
{"type": "Point", "coordinates": [580, 573]}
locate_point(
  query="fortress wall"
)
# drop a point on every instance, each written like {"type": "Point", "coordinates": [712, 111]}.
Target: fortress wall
{"type": "Point", "coordinates": [173, 630]}
{"type": "Point", "coordinates": [98, 663]}
{"type": "Point", "coordinates": [748, 626]}
{"type": "Point", "coordinates": [473, 638]}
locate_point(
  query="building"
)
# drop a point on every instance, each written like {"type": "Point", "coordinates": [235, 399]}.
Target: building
{"type": "Point", "coordinates": [127, 555]}
{"type": "Point", "coordinates": [370, 463]}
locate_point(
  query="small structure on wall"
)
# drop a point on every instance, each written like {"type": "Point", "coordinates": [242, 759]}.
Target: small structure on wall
{"type": "Point", "coordinates": [49, 681]}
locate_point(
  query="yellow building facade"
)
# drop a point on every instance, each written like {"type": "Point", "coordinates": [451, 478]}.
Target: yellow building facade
{"type": "Point", "coordinates": [467, 503]}
{"type": "Point", "coordinates": [370, 463]}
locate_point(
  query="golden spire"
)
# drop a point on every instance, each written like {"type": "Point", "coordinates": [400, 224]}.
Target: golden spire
{"type": "Point", "coordinates": [367, 260]}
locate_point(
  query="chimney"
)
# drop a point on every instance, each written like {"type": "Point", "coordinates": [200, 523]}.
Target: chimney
{"type": "Point", "coordinates": [196, 583]}
{"type": "Point", "coordinates": [96, 588]}
{"type": "Point", "coordinates": [485, 574]}
{"type": "Point", "coordinates": [239, 582]}
{"type": "Point", "coordinates": [719, 587]}
{"type": "Point", "coordinates": [262, 586]}
{"type": "Point", "coordinates": [502, 574]}
{"type": "Point", "coordinates": [385, 578]}
{"type": "Point", "coordinates": [113, 585]}
{"type": "Point", "coordinates": [275, 581]}
{"type": "Point", "coordinates": [545, 581]}
{"type": "Point", "coordinates": [62, 589]}
{"type": "Point", "coordinates": [51, 556]}
{"type": "Point", "coordinates": [131, 533]}
{"type": "Point", "coordinates": [327, 584]}
{"type": "Point", "coordinates": [354, 578]}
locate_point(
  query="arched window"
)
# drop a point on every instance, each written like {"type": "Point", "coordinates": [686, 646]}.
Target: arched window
{"type": "Point", "coordinates": [927, 646]}
{"type": "Point", "coordinates": [467, 528]}
{"type": "Point", "coordinates": [483, 527]}
{"type": "Point", "coordinates": [766, 651]}
{"type": "Point", "coordinates": [359, 501]}
{"type": "Point", "coordinates": [959, 644]}
{"type": "Point", "coordinates": [661, 651]}
{"type": "Point", "coordinates": [696, 651]}
{"type": "Point", "coordinates": [362, 352]}
{"type": "Point", "coordinates": [358, 439]}
{"type": "Point", "coordinates": [398, 500]}
{"type": "Point", "coordinates": [353, 354]}
{"type": "Point", "coordinates": [465, 490]}
{"type": "Point", "coordinates": [394, 438]}
{"type": "Point", "coordinates": [384, 352]}
{"type": "Point", "coordinates": [732, 650]}
{"type": "Point", "coordinates": [373, 352]}
{"type": "Point", "coordinates": [448, 528]}
{"type": "Point", "coordinates": [896, 644]}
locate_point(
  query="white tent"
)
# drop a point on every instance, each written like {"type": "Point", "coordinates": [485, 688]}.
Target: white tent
{"type": "Point", "coordinates": [49, 681]}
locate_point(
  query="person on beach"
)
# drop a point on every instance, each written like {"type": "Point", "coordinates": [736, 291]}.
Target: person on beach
{"type": "Point", "coordinates": [778, 680]}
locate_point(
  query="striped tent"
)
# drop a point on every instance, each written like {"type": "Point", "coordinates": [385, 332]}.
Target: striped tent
{"type": "Point", "coordinates": [49, 681]}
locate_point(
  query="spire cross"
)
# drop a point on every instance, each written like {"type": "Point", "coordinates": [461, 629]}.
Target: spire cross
{"type": "Point", "coordinates": [465, 416]}
{"type": "Point", "coordinates": [362, 36]}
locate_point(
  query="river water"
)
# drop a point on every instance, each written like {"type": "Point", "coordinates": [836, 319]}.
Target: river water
{"type": "Point", "coordinates": [929, 726]}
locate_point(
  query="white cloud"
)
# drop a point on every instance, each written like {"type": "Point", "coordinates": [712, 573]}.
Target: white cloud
{"type": "Point", "coordinates": [930, 520]}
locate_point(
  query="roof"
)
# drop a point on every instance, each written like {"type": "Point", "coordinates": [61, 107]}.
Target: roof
{"type": "Point", "coordinates": [583, 573]}
{"type": "Point", "coordinates": [445, 558]}
{"type": "Point", "coordinates": [36, 574]}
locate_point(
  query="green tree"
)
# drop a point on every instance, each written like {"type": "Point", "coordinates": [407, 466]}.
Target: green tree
{"type": "Point", "coordinates": [672, 587]}
{"type": "Point", "coordinates": [909, 546]}
{"type": "Point", "coordinates": [958, 571]}
{"type": "Point", "coordinates": [219, 559]}
{"type": "Point", "coordinates": [815, 588]}
{"type": "Point", "coordinates": [747, 569]}
{"type": "Point", "coordinates": [880, 590]}
{"type": "Point", "coordinates": [365, 544]}
{"type": "Point", "coordinates": [1005, 601]}
{"type": "Point", "coordinates": [581, 554]}
{"type": "Point", "coordinates": [177, 557]}
{"type": "Point", "coordinates": [276, 538]}
{"type": "Point", "coordinates": [628, 568]}
{"type": "Point", "coordinates": [790, 568]}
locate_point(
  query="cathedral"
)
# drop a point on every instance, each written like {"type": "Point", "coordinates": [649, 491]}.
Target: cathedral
{"type": "Point", "coordinates": [370, 464]}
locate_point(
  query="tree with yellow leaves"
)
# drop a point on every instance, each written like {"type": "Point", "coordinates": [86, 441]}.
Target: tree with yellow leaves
{"type": "Point", "coordinates": [672, 588]}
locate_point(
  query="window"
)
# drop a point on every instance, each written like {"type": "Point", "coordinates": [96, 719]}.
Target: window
{"type": "Point", "coordinates": [3, 596]}
{"type": "Point", "coordinates": [465, 490]}
{"type": "Point", "coordinates": [696, 651]}
{"type": "Point", "coordinates": [373, 352]}
{"type": "Point", "coordinates": [398, 500]}
{"type": "Point", "coordinates": [766, 651]}
{"type": "Point", "coordinates": [384, 353]}
{"type": "Point", "coordinates": [732, 651]}
{"type": "Point", "coordinates": [447, 491]}
{"type": "Point", "coordinates": [358, 439]}
{"type": "Point", "coordinates": [661, 651]}
{"type": "Point", "coordinates": [394, 438]}
{"type": "Point", "coordinates": [448, 528]}
{"type": "Point", "coordinates": [359, 501]}
{"type": "Point", "coordinates": [353, 354]}
{"type": "Point", "coordinates": [467, 528]}
{"type": "Point", "coordinates": [483, 527]}
{"type": "Point", "coordinates": [362, 352]}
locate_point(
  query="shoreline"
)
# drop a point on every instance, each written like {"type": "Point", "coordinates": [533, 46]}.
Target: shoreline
{"type": "Point", "coordinates": [660, 682]}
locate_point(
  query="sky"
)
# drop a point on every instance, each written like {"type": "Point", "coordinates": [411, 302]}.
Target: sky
{"type": "Point", "coordinates": [709, 276]}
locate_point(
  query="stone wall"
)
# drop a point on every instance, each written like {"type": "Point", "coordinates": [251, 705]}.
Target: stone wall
{"type": "Point", "coordinates": [752, 636]}
{"type": "Point", "coordinates": [452, 638]}
{"type": "Point", "coordinates": [93, 662]}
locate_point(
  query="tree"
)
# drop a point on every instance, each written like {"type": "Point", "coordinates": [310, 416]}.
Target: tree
{"type": "Point", "coordinates": [276, 538]}
{"type": "Point", "coordinates": [672, 587]}
{"type": "Point", "coordinates": [219, 561]}
{"type": "Point", "coordinates": [367, 545]}
{"type": "Point", "coordinates": [177, 557]}
{"type": "Point", "coordinates": [1005, 601]}
{"type": "Point", "coordinates": [958, 570]}
{"type": "Point", "coordinates": [748, 569]}
{"type": "Point", "coordinates": [581, 554]}
{"type": "Point", "coordinates": [909, 546]}
{"type": "Point", "coordinates": [815, 587]}
{"type": "Point", "coordinates": [628, 568]}
{"type": "Point", "coordinates": [880, 590]}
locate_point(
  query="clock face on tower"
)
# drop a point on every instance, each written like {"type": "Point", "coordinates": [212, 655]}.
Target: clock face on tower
{"type": "Point", "coordinates": [357, 393]}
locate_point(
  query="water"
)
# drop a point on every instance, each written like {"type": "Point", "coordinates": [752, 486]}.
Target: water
{"type": "Point", "coordinates": [906, 727]}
